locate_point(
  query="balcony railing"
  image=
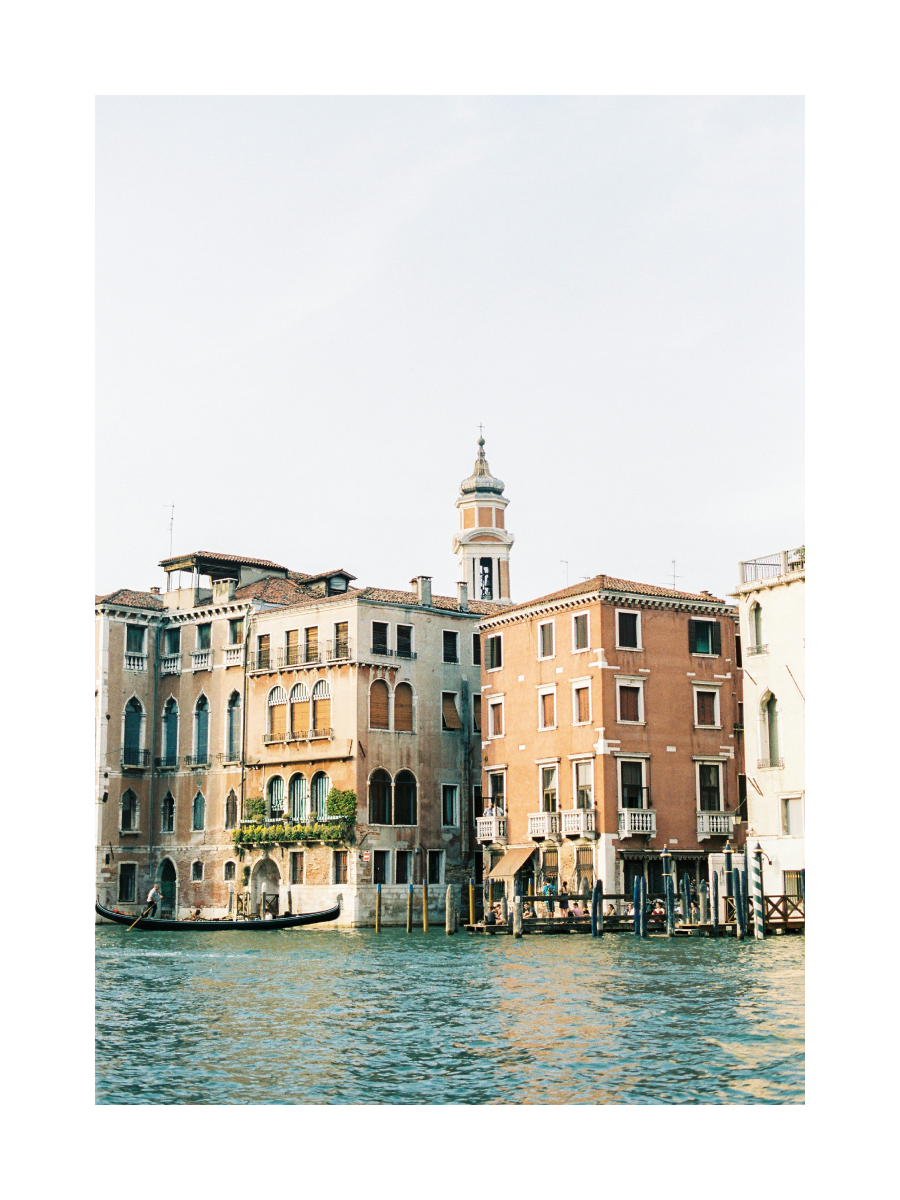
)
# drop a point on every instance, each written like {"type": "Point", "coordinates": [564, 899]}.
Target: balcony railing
{"type": "Point", "coordinates": [637, 822]}
{"type": "Point", "coordinates": [201, 660]}
{"type": "Point", "coordinates": [770, 566]}
{"type": "Point", "coordinates": [542, 825]}
{"type": "Point", "coordinates": [320, 733]}
{"type": "Point", "coordinates": [196, 760]}
{"type": "Point", "coordinates": [234, 655]}
{"type": "Point", "coordinates": [490, 829]}
{"type": "Point", "coordinates": [170, 664]}
{"type": "Point", "coordinates": [338, 651]}
{"type": "Point", "coordinates": [386, 652]}
{"type": "Point", "coordinates": [228, 758]}
{"type": "Point", "coordinates": [296, 656]}
{"type": "Point", "coordinates": [167, 762]}
{"type": "Point", "coordinates": [761, 649]}
{"type": "Point", "coordinates": [263, 661]}
{"type": "Point", "coordinates": [268, 738]}
{"type": "Point", "coordinates": [714, 824]}
{"type": "Point", "coordinates": [136, 759]}
{"type": "Point", "coordinates": [579, 821]}
{"type": "Point", "coordinates": [768, 764]}
{"type": "Point", "coordinates": [135, 662]}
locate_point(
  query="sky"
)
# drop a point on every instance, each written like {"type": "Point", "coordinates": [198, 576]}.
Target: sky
{"type": "Point", "coordinates": [306, 306]}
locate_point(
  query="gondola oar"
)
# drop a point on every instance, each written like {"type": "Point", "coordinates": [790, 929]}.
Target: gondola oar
{"type": "Point", "coordinates": [140, 918]}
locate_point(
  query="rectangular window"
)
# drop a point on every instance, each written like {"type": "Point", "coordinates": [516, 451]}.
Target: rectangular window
{"type": "Point", "coordinates": [379, 637]}
{"type": "Point", "coordinates": [292, 648]}
{"type": "Point", "coordinates": [134, 639]}
{"type": "Point", "coordinates": [311, 643]}
{"type": "Point", "coordinates": [795, 884]}
{"type": "Point", "coordinates": [548, 710]}
{"type": "Point", "coordinates": [706, 707]}
{"type": "Point", "coordinates": [449, 712]}
{"type": "Point", "coordinates": [204, 636]}
{"type": "Point", "coordinates": [738, 651]}
{"type": "Point", "coordinates": [435, 865]}
{"type": "Point", "coordinates": [545, 640]}
{"type": "Point", "coordinates": [451, 646]}
{"type": "Point", "coordinates": [262, 650]}
{"type": "Point", "coordinates": [477, 803]}
{"type": "Point", "coordinates": [704, 637]}
{"type": "Point", "coordinates": [297, 866]}
{"type": "Point", "coordinates": [549, 794]}
{"type": "Point", "coordinates": [476, 649]}
{"type": "Point", "coordinates": [449, 794]}
{"type": "Point", "coordinates": [403, 866]}
{"type": "Point", "coordinates": [127, 880]}
{"type": "Point", "coordinates": [496, 719]}
{"type": "Point", "coordinates": [627, 633]}
{"type": "Point", "coordinates": [632, 776]}
{"type": "Point", "coordinates": [742, 797]}
{"type": "Point", "coordinates": [792, 816]}
{"type": "Point", "coordinates": [550, 866]}
{"type": "Point", "coordinates": [236, 631]}
{"type": "Point", "coordinates": [580, 636]}
{"type": "Point", "coordinates": [710, 799]}
{"type": "Point", "coordinates": [584, 784]}
{"type": "Point", "coordinates": [341, 639]}
{"type": "Point", "coordinates": [494, 652]}
{"type": "Point", "coordinates": [584, 864]}
{"type": "Point", "coordinates": [173, 641]}
{"type": "Point", "coordinates": [497, 780]}
{"type": "Point", "coordinates": [340, 866]}
{"type": "Point", "coordinates": [404, 641]}
{"type": "Point", "coordinates": [196, 872]}
{"type": "Point", "coordinates": [380, 866]}
{"type": "Point", "coordinates": [629, 703]}
{"type": "Point", "coordinates": [582, 705]}
{"type": "Point", "coordinates": [476, 714]}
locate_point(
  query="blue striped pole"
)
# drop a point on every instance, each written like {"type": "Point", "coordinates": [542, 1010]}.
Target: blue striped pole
{"type": "Point", "coordinates": [739, 915]}
{"type": "Point", "coordinates": [637, 907]}
{"type": "Point", "coordinates": [704, 903]}
{"type": "Point", "coordinates": [685, 899]}
{"type": "Point", "coordinates": [728, 881]}
{"type": "Point", "coordinates": [644, 907]}
{"type": "Point", "coordinates": [759, 902]}
{"type": "Point", "coordinates": [599, 908]}
{"type": "Point", "coordinates": [669, 888]}
{"type": "Point", "coordinates": [594, 910]}
{"type": "Point", "coordinates": [715, 903]}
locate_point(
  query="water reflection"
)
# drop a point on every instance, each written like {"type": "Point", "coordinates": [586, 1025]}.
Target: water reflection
{"type": "Point", "coordinates": [353, 1017]}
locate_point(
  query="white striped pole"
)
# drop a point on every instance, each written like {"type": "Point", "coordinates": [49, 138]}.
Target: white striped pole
{"type": "Point", "coordinates": [759, 903]}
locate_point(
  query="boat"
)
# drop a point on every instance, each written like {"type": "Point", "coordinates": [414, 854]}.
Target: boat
{"type": "Point", "coordinates": [162, 923]}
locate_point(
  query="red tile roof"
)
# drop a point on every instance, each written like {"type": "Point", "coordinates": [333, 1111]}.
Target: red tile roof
{"type": "Point", "coordinates": [233, 558]}
{"type": "Point", "coordinates": [609, 583]}
{"type": "Point", "coordinates": [389, 596]}
{"type": "Point", "coordinates": [132, 599]}
{"type": "Point", "coordinates": [273, 590]}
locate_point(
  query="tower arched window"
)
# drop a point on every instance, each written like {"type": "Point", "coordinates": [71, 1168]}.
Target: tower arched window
{"type": "Point", "coordinates": [487, 578]}
{"type": "Point", "coordinates": [198, 812]}
{"type": "Point", "coordinates": [403, 708]}
{"type": "Point", "coordinates": [275, 793]}
{"type": "Point", "coordinates": [134, 733]}
{"type": "Point", "coordinates": [321, 786]}
{"type": "Point", "coordinates": [277, 713]}
{"type": "Point", "coordinates": [231, 810]}
{"type": "Point", "coordinates": [168, 813]}
{"type": "Point", "coordinates": [297, 797]}
{"type": "Point", "coordinates": [233, 727]}
{"type": "Point", "coordinates": [129, 812]}
{"type": "Point", "coordinates": [299, 701]}
{"type": "Point", "coordinates": [380, 798]}
{"type": "Point", "coordinates": [201, 730]}
{"type": "Point", "coordinates": [405, 799]}
{"type": "Point", "coordinates": [379, 705]}
{"type": "Point", "coordinates": [321, 702]}
{"type": "Point", "coordinates": [770, 740]}
{"type": "Point", "coordinates": [757, 633]}
{"type": "Point", "coordinates": [170, 733]}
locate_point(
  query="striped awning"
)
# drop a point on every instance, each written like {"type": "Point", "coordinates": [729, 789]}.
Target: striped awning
{"type": "Point", "coordinates": [511, 862]}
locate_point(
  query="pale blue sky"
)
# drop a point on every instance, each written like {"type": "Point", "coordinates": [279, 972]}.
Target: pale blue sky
{"type": "Point", "coordinates": [306, 306]}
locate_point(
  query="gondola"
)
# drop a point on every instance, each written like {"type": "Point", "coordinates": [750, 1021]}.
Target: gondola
{"type": "Point", "coordinates": [288, 922]}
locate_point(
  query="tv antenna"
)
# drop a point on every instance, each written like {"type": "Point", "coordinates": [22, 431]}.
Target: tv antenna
{"type": "Point", "coordinates": [171, 525]}
{"type": "Point", "coordinates": [674, 576]}
{"type": "Point", "coordinates": [566, 565]}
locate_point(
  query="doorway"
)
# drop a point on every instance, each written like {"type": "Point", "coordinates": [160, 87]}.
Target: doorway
{"type": "Point", "coordinates": [265, 877]}
{"type": "Point", "coordinates": [168, 885]}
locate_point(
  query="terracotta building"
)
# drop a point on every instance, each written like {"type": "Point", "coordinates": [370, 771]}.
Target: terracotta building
{"type": "Point", "coordinates": [610, 729]}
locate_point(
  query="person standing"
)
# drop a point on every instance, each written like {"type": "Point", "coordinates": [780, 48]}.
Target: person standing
{"type": "Point", "coordinates": [153, 899]}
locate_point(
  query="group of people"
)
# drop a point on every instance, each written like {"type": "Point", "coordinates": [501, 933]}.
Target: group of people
{"type": "Point", "coordinates": [493, 810]}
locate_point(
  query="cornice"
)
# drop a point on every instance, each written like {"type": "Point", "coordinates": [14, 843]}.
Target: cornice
{"type": "Point", "coordinates": [632, 599]}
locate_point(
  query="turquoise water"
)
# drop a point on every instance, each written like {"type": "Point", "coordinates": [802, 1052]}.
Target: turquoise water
{"type": "Point", "coordinates": [355, 1017]}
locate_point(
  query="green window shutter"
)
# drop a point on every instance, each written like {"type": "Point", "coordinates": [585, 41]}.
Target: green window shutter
{"type": "Point", "coordinates": [716, 638]}
{"type": "Point", "coordinates": [692, 636]}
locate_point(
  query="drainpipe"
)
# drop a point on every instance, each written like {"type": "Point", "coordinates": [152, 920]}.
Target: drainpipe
{"type": "Point", "coordinates": [153, 744]}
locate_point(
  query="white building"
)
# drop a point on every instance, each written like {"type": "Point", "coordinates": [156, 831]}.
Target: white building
{"type": "Point", "coordinates": [771, 598]}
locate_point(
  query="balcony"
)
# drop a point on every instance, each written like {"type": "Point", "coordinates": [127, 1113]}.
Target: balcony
{"type": "Point", "coordinates": [316, 734]}
{"type": "Point", "coordinates": [490, 829]}
{"type": "Point", "coordinates": [135, 662]}
{"type": "Point", "coordinates": [263, 661]}
{"type": "Point", "coordinates": [295, 656]}
{"type": "Point", "coordinates": [170, 664]}
{"type": "Point", "coordinates": [201, 660]}
{"type": "Point", "coordinates": [769, 764]}
{"type": "Point", "coordinates": [195, 761]}
{"type": "Point", "coordinates": [234, 655]}
{"type": "Point", "coordinates": [578, 821]}
{"type": "Point", "coordinates": [338, 651]}
{"type": "Point", "coordinates": [714, 824]}
{"type": "Point", "coordinates": [135, 760]}
{"type": "Point", "coordinates": [270, 738]}
{"type": "Point", "coordinates": [772, 566]}
{"type": "Point", "coordinates": [543, 825]}
{"type": "Point", "coordinates": [763, 649]}
{"type": "Point", "coordinates": [637, 822]}
{"type": "Point", "coordinates": [167, 762]}
{"type": "Point", "coordinates": [385, 652]}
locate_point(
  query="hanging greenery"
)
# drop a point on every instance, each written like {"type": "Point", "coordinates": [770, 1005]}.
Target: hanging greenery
{"type": "Point", "coordinates": [342, 804]}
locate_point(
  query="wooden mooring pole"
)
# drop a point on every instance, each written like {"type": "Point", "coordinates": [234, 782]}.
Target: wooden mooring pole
{"type": "Point", "coordinates": [425, 906]}
{"type": "Point", "coordinates": [599, 891]}
{"type": "Point", "coordinates": [715, 904]}
{"type": "Point", "coordinates": [637, 907]}
{"type": "Point", "coordinates": [451, 912]}
{"type": "Point", "coordinates": [704, 903]}
{"type": "Point", "coordinates": [594, 910]}
{"type": "Point", "coordinates": [409, 908]}
{"type": "Point", "coordinates": [669, 884]}
{"type": "Point", "coordinates": [471, 901]}
{"type": "Point", "coordinates": [685, 899]}
{"type": "Point", "coordinates": [517, 916]}
{"type": "Point", "coordinates": [378, 908]}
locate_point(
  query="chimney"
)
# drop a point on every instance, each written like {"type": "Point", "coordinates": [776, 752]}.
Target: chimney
{"type": "Point", "coordinates": [223, 590]}
{"type": "Point", "coordinates": [462, 595]}
{"type": "Point", "coordinates": [154, 591]}
{"type": "Point", "coordinates": [422, 584]}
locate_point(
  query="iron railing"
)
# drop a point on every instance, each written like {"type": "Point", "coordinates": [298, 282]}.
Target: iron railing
{"type": "Point", "coordinates": [264, 660]}
{"type": "Point", "coordinates": [167, 762]}
{"type": "Point", "coordinates": [196, 760]}
{"type": "Point", "coordinates": [320, 733]}
{"type": "Point", "coordinates": [338, 650]}
{"type": "Point", "coordinates": [268, 738]}
{"type": "Point", "coordinates": [386, 652]}
{"type": "Point", "coordinates": [135, 758]}
{"type": "Point", "coordinates": [764, 764]}
{"type": "Point", "coordinates": [763, 648]}
{"type": "Point", "coordinates": [770, 566]}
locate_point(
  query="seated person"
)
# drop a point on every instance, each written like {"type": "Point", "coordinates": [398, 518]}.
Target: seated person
{"type": "Point", "coordinates": [610, 911]}
{"type": "Point", "coordinates": [577, 911]}
{"type": "Point", "coordinates": [489, 918]}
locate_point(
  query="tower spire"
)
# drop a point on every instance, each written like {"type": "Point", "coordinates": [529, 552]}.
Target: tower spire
{"type": "Point", "coordinates": [483, 543]}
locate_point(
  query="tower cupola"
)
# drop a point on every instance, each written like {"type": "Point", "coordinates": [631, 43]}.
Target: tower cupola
{"type": "Point", "coordinates": [483, 542]}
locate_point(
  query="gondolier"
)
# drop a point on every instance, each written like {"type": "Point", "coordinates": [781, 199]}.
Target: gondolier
{"type": "Point", "coordinates": [152, 900]}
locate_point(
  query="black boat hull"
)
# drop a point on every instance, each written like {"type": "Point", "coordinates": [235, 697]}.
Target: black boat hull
{"type": "Point", "coordinates": [161, 924]}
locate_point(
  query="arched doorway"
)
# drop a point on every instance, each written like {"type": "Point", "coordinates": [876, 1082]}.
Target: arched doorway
{"type": "Point", "coordinates": [265, 873]}
{"type": "Point", "coordinates": [168, 885]}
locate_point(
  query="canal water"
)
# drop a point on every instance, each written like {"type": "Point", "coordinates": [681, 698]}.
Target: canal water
{"type": "Point", "coordinates": [354, 1017]}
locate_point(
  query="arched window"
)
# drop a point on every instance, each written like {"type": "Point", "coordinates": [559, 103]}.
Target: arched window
{"type": "Point", "coordinates": [168, 813]}
{"type": "Point", "coordinates": [769, 731]}
{"type": "Point", "coordinates": [299, 701]}
{"type": "Point", "coordinates": [380, 798]}
{"type": "Point", "coordinates": [129, 813]}
{"type": "Point", "coordinates": [196, 872]}
{"type": "Point", "coordinates": [233, 727]}
{"type": "Point", "coordinates": [229, 871]}
{"type": "Point", "coordinates": [201, 730]}
{"type": "Point", "coordinates": [321, 703]}
{"type": "Point", "coordinates": [275, 793]}
{"type": "Point", "coordinates": [379, 705]}
{"type": "Point", "coordinates": [170, 733]}
{"type": "Point", "coordinates": [230, 810]}
{"type": "Point", "coordinates": [405, 806]}
{"type": "Point", "coordinates": [756, 627]}
{"type": "Point", "coordinates": [198, 812]}
{"type": "Point", "coordinates": [277, 713]}
{"type": "Point", "coordinates": [297, 797]}
{"type": "Point", "coordinates": [321, 786]}
{"type": "Point", "coordinates": [403, 708]}
{"type": "Point", "coordinates": [134, 732]}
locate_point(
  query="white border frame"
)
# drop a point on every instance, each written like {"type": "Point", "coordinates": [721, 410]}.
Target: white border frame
{"type": "Point", "coordinates": [586, 613]}
{"type": "Point", "coordinates": [542, 625]}
{"type": "Point", "coordinates": [631, 681]}
{"type": "Point", "coordinates": [578, 685]}
{"type": "Point", "coordinates": [547, 689]}
{"type": "Point", "coordinates": [634, 612]}
{"type": "Point", "coordinates": [701, 685]}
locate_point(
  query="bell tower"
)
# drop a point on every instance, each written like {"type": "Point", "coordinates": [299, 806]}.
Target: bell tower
{"type": "Point", "coordinates": [482, 543]}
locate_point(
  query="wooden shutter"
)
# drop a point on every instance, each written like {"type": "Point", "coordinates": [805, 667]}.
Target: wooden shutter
{"type": "Point", "coordinates": [583, 697]}
{"type": "Point", "coordinates": [300, 716]}
{"type": "Point", "coordinates": [548, 716]}
{"type": "Point", "coordinates": [496, 720]}
{"type": "Point", "coordinates": [448, 711]}
{"type": "Point", "coordinates": [403, 708]}
{"type": "Point", "coordinates": [629, 708]}
{"type": "Point", "coordinates": [716, 638]}
{"type": "Point", "coordinates": [262, 647]}
{"type": "Point", "coordinates": [278, 718]}
{"type": "Point", "coordinates": [706, 708]}
{"type": "Point", "coordinates": [341, 638]}
{"type": "Point", "coordinates": [312, 644]}
{"type": "Point", "coordinates": [378, 705]}
{"type": "Point", "coordinates": [476, 713]}
{"type": "Point", "coordinates": [581, 632]}
{"type": "Point", "coordinates": [293, 646]}
{"type": "Point", "coordinates": [692, 636]}
{"type": "Point", "coordinates": [322, 712]}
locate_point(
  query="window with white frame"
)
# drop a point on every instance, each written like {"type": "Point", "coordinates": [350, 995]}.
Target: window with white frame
{"type": "Point", "coordinates": [792, 816]}
{"type": "Point", "coordinates": [546, 639]}
{"type": "Point", "coordinates": [450, 646]}
{"type": "Point", "coordinates": [709, 786]}
{"type": "Point", "coordinates": [497, 792]}
{"type": "Point", "coordinates": [704, 637]}
{"type": "Point", "coordinates": [629, 700]}
{"type": "Point", "coordinates": [581, 701]}
{"type": "Point", "coordinates": [495, 718]}
{"type": "Point", "coordinates": [128, 816]}
{"type": "Point", "coordinates": [550, 788]}
{"type": "Point", "coordinates": [581, 632]}
{"type": "Point", "coordinates": [628, 629]}
{"type": "Point", "coordinates": [633, 792]}
{"type": "Point", "coordinates": [584, 783]}
{"type": "Point", "coordinates": [706, 707]}
{"type": "Point", "coordinates": [547, 708]}
{"type": "Point", "coordinates": [493, 652]}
